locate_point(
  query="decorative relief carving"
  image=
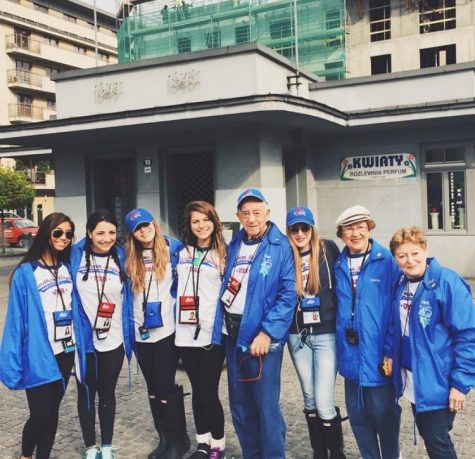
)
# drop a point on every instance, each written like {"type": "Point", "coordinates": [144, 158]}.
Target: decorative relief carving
{"type": "Point", "coordinates": [183, 81]}
{"type": "Point", "coordinates": [107, 91]}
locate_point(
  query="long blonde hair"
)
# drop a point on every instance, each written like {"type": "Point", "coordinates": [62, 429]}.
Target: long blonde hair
{"type": "Point", "coordinates": [134, 261]}
{"type": "Point", "coordinates": [316, 249]}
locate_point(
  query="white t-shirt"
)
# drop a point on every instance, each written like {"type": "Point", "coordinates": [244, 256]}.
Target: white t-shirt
{"type": "Point", "coordinates": [355, 263]}
{"type": "Point", "coordinates": [241, 271]}
{"type": "Point", "coordinates": [204, 271]}
{"type": "Point", "coordinates": [159, 291]}
{"type": "Point", "coordinates": [51, 297]}
{"type": "Point", "coordinates": [90, 294]}
{"type": "Point", "coordinates": [405, 305]}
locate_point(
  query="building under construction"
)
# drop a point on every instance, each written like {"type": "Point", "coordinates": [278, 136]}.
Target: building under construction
{"type": "Point", "coordinates": [309, 32]}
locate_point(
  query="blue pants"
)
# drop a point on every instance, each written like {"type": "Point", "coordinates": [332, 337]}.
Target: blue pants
{"type": "Point", "coordinates": [254, 392]}
{"type": "Point", "coordinates": [375, 420]}
{"type": "Point", "coordinates": [434, 427]}
{"type": "Point", "coordinates": [315, 363]}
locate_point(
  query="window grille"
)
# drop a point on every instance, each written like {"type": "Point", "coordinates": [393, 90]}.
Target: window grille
{"type": "Point", "coordinates": [380, 19]}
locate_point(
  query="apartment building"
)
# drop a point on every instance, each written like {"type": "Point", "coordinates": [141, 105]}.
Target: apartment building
{"type": "Point", "coordinates": [39, 39]}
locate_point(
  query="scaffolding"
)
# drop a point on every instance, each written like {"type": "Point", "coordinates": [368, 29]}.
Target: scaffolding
{"type": "Point", "coordinates": [160, 28]}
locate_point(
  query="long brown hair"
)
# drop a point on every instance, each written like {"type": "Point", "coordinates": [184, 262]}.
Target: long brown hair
{"type": "Point", "coordinates": [134, 264]}
{"type": "Point", "coordinates": [317, 250]}
{"type": "Point", "coordinates": [217, 239]}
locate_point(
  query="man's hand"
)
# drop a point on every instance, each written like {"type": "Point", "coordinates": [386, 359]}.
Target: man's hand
{"type": "Point", "coordinates": [456, 400]}
{"type": "Point", "coordinates": [260, 345]}
{"type": "Point", "coordinates": [388, 366]}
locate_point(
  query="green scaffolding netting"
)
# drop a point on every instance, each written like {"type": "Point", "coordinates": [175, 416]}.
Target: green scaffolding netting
{"type": "Point", "coordinates": [180, 27]}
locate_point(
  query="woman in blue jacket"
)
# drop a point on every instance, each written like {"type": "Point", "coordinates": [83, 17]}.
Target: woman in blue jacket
{"type": "Point", "coordinates": [434, 326]}
{"type": "Point", "coordinates": [366, 275]}
{"type": "Point", "coordinates": [37, 351]}
{"type": "Point", "coordinates": [103, 299]}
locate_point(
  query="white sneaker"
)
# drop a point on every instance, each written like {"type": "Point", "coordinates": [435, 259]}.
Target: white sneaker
{"type": "Point", "coordinates": [94, 452]}
{"type": "Point", "coordinates": [106, 452]}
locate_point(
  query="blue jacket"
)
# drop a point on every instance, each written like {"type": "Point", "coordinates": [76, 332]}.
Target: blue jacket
{"type": "Point", "coordinates": [441, 335]}
{"type": "Point", "coordinates": [26, 357]}
{"type": "Point", "coordinates": [87, 345]}
{"type": "Point", "coordinates": [374, 292]}
{"type": "Point", "coordinates": [271, 294]}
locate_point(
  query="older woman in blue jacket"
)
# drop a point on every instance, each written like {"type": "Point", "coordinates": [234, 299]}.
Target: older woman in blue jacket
{"type": "Point", "coordinates": [434, 327]}
{"type": "Point", "coordinates": [365, 275]}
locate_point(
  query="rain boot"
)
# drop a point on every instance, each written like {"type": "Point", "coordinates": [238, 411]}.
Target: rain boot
{"type": "Point", "coordinates": [158, 414]}
{"type": "Point", "coordinates": [334, 436]}
{"type": "Point", "coordinates": [315, 431]}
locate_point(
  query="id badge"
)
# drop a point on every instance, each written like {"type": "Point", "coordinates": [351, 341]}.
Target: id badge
{"type": "Point", "coordinates": [101, 334]}
{"type": "Point", "coordinates": [311, 317]}
{"type": "Point", "coordinates": [232, 289]}
{"type": "Point", "coordinates": [68, 346]}
{"type": "Point", "coordinates": [105, 311]}
{"type": "Point", "coordinates": [144, 333]}
{"type": "Point", "coordinates": [63, 321]}
{"type": "Point", "coordinates": [188, 313]}
{"type": "Point", "coordinates": [406, 361]}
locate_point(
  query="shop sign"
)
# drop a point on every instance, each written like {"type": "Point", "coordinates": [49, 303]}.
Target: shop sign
{"type": "Point", "coordinates": [399, 165]}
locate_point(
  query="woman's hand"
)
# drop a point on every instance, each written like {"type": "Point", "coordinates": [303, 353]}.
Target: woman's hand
{"type": "Point", "coordinates": [456, 400]}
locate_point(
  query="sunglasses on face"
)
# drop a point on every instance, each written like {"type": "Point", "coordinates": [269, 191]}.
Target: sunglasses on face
{"type": "Point", "coordinates": [296, 229]}
{"type": "Point", "coordinates": [59, 232]}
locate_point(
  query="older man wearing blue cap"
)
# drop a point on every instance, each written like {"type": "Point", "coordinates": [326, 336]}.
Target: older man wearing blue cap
{"type": "Point", "coordinates": [255, 312]}
{"type": "Point", "coordinates": [366, 277]}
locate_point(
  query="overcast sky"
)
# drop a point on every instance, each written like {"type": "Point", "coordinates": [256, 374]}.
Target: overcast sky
{"type": "Point", "coordinates": [108, 5]}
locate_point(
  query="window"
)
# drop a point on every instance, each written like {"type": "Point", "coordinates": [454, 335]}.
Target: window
{"type": "Point", "coordinates": [436, 15]}
{"type": "Point", "coordinates": [69, 18]}
{"type": "Point", "coordinates": [334, 70]}
{"type": "Point", "coordinates": [51, 104]}
{"type": "Point", "coordinates": [381, 64]}
{"type": "Point", "coordinates": [330, 42]}
{"type": "Point", "coordinates": [446, 188]}
{"type": "Point", "coordinates": [42, 8]}
{"type": "Point", "coordinates": [103, 56]}
{"type": "Point", "coordinates": [50, 71]}
{"type": "Point", "coordinates": [80, 49]}
{"type": "Point", "coordinates": [435, 57]}
{"type": "Point", "coordinates": [280, 29]}
{"type": "Point", "coordinates": [380, 19]}
{"type": "Point", "coordinates": [52, 41]}
{"type": "Point", "coordinates": [242, 34]}
{"type": "Point", "coordinates": [213, 39]}
{"type": "Point", "coordinates": [184, 45]}
{"type": "Point", "coordinates": [332, 19]}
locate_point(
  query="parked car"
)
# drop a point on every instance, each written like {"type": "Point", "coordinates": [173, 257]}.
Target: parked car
{"type": "Point", "coordinates": [18, 231]}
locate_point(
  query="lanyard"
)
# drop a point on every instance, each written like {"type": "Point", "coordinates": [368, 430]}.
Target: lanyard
{"type": "Point", "coordinates": [191, 271]}
{"type": "Point", "coordinates": [353, 286]}
{"type": "Point", "coordinates": [248, 265]}
{"type": "Point", "coordinates": [54, 273]}
{"type": "Point", "coordinates": [96, 266]}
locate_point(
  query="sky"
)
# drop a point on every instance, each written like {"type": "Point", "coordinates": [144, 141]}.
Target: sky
{"type": "Point", "coordinates": [107, 5]}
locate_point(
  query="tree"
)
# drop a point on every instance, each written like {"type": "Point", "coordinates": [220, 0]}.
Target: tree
{"type": "Point", "coordinates": [15, 192]}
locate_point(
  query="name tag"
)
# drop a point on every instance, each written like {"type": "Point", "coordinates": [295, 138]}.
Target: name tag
{"type": "Point", "coordinates": [63, 322]}
{"type": "Point", "coordinates": [188, 313]}
{"type": "Point", "coordinates": [232, 289]}
{"type": "Point", "coordinates": [105, 311]}
{"type": "Point", "coordinates": [311, 317]}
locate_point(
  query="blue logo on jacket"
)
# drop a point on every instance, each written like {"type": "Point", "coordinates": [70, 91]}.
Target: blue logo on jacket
{"type": "Point", "coordinates": [266, 265]}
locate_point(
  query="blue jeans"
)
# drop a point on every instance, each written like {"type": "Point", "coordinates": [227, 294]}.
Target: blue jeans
{"type": "Point", "coordinates": [316, 366]}
{"type": "Point", "coordinates": [254, 392]}
{"type": "Point", "coordinates": [434, 427]}
{"type": "Point", "coordinates": [375, 419]}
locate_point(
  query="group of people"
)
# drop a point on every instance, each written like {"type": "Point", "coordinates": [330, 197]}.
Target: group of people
{"type": "Point", "coordinates": [393, 322]}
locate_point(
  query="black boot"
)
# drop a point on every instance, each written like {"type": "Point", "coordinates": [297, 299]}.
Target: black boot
{"type": "Point", "coordinates": [158, 414]}
{"type": "Point", "coordinates": [315, 431]}
{"type": "Point", "coordinates": [334, 436]}
{"type": "Point", "coordinates": [176, 423]}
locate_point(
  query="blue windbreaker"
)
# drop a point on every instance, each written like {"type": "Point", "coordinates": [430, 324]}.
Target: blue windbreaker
{"type": "Point", "coordinates": [26, 357]}
{"type": "Point", "coordinates": [442, 337]}
{"type": "Point", "coordinates": [271, 294]}
{"type": "Point", "coordinates": [77, 251]}
{"type": "Point", "coordinates": [374, 292]}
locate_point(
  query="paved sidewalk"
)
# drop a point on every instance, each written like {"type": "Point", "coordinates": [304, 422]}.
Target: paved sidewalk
{"type": "Point", "coordinates": [134, 433]}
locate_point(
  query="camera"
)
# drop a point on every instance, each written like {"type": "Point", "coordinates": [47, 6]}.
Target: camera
{"type": "Point", "coordinates": [351, 335]}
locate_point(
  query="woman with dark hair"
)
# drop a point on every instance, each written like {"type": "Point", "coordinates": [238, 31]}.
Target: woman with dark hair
{"type": "Point", "coordinates": [102, 295]}
{"type": "Point", "coordinates": [151, 266]}
{"type": "Point", "coordinates": [312, 339]}
{"type": "Point", "coordinates": [200, 270]}
{"type": "Point", "coordinates": [37, 350]}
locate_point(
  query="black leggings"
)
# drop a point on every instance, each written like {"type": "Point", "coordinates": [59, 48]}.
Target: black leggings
{"type": "Point", "coordinates": [203, 366]}
{"type": "Point", "coordinates": [44, 401]}
{"type": "Point", "coordinates": [104, 382]}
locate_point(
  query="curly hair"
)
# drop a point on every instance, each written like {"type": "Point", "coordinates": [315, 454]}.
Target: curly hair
{"type": "Point", "coordinates": [414, 235]}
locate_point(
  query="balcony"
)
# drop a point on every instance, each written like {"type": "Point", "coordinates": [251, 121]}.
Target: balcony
{"type": "Point", "coordinates": [24, 113]}
{"type": "Point", "coordinates": [24, 79]}
{"type": "Point", "coordinates": [22, 44]}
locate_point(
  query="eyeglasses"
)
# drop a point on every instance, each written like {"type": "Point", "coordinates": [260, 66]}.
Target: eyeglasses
{"type": "Point", "coordinates": [359, 228]}
{"type": "Point", "coordinates": [59, 232]}
{"type": "Point", "coordinates": [296, 229]}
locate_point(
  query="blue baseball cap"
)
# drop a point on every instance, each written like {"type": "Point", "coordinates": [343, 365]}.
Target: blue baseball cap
{"type": "Point", "coordinates": [250, 193]}
{"type": "Point", "coordinates": [137, 216]}
{"type": "Point", "coordinates": [300, 215]}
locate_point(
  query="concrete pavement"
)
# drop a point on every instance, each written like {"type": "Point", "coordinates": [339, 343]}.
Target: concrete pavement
{"type": "Point", "coordinates": [134, 433]}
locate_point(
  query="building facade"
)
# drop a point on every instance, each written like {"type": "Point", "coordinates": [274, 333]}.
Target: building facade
{"type": "Point", "coordinates": [39, 39]}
